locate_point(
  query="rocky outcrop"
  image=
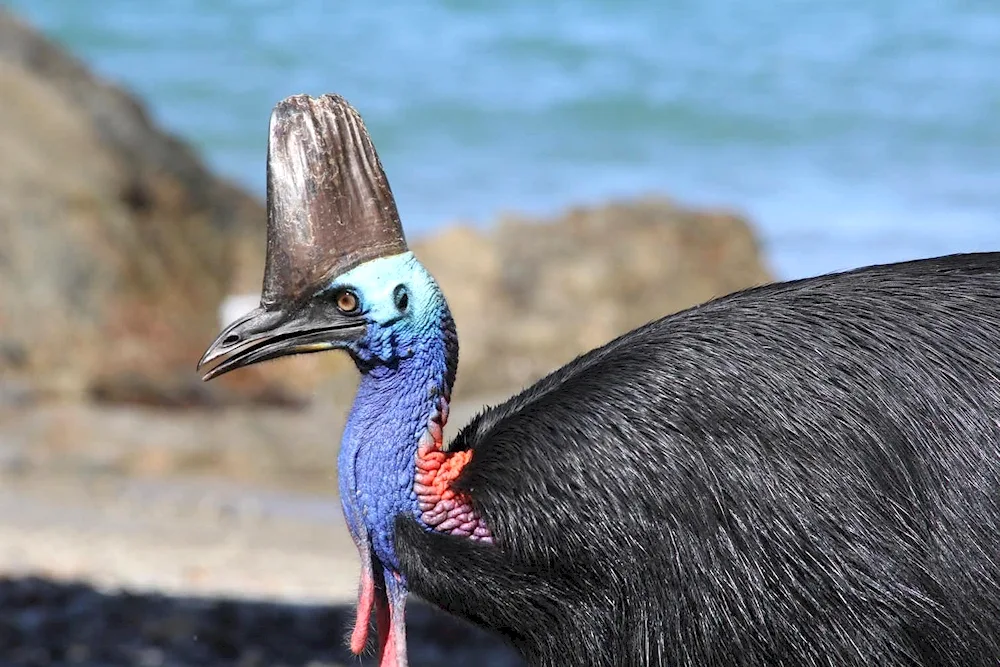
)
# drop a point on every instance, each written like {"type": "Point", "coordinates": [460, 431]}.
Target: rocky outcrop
{"type": "Point", "coordinates": [116, 243]}
{"type": "Point", "coordinates": [529, 295]}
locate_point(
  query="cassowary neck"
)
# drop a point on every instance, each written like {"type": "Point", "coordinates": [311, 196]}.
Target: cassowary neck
{"type": "Point", "coordinates": [392, 459]}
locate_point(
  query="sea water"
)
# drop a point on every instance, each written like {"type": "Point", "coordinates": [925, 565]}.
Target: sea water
{"type": "Point", "coordinates": [850, 131]}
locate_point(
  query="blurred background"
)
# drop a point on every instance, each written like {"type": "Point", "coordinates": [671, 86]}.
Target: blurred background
{"type": "Point", "coordinates": [575, 167]}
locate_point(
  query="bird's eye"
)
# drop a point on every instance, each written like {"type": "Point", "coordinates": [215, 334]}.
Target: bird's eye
{"type": "Point", "coordinates": [347, 302]}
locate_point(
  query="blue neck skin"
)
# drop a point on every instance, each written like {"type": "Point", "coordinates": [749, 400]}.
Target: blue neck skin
{"type": "Point", "coordinates": [408, 361]}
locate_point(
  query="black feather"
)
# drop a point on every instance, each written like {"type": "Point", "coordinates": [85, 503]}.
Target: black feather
{"type": "Point", "coordinates": [805, 473]}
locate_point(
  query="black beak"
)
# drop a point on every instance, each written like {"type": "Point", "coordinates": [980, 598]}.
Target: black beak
{"type": "Point", "coordinates": [269, 334]}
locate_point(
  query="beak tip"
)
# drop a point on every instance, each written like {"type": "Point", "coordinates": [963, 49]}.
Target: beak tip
{"type": "Point", "coordinates": [211, 373]}
{"type": "Point", "coordinates": [205, 359]}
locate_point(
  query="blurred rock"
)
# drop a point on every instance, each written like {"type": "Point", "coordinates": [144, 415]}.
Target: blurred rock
{"type": "Point", "coordinates": [530, 295]}
{"type": "Point", "coordinates": [264, 445]}
{"type": "Point", "coordinates": [116, 243]}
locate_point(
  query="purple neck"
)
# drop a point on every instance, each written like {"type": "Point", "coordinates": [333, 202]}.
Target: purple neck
{"type": "Point", "coordinates": [396, 405]}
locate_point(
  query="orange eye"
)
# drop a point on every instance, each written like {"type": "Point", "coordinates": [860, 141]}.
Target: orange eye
{"type": "Point", "coordinates": [347, 302]}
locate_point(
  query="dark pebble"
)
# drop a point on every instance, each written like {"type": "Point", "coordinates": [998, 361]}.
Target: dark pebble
{"type": "Point", "coordinates": [45, 623]}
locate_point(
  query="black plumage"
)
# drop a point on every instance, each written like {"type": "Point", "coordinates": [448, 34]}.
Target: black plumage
{"type": "Point", "coordinates": [804, 473]}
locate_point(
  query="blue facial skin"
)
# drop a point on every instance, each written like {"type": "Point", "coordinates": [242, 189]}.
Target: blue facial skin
{"type": "Point", "coordinates": [407, 359]}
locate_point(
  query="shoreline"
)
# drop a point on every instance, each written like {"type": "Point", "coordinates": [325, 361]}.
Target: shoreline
{"type": "Point", "coordinates": [256, 524]}
{"type": "Point", "coordinates": [278, 536]}
{"type": "Point", "coordinates": [181, 536]}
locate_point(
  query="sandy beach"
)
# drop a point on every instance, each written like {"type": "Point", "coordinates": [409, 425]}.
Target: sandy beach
{"type": "Point", "coordinates": [198, 537]}
{"type": "Point", "coordinates": [151, 572]}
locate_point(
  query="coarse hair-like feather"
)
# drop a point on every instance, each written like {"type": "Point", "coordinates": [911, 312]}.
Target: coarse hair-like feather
{"type": "Point", "coordinates": [804, 473]}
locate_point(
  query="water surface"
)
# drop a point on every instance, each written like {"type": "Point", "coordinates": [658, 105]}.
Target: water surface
{"type": "Point", "coordinates": [852, 131]}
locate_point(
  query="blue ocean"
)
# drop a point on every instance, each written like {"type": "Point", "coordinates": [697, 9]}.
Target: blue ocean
{"type": "Point", "coordinates": [850, 131]}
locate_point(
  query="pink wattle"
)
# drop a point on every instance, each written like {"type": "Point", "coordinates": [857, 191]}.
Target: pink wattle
{"type": "Point", "coordinates": [366, 600]}
{"type": "Point", "coordinates": [389, 619]}
{"type": "Point", "coordinates": [392, 629]}
{"type": "Point", "coordinates": [442, 509]}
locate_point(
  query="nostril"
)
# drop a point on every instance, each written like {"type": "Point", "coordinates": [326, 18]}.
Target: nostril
{"type": "Point", "coordinates": [231, 339]}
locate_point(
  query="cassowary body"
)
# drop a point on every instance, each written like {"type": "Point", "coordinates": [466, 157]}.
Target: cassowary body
{"type": "Point", "coordinates": [801, 474]}
{"type": "Point", "coordinates": [805, 473]}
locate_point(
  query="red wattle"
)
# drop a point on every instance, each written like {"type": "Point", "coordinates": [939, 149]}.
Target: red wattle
{"type": "Point", "coordinates": [366, 599]}
{"type": "Point", "coordinates": [394, 642]}
{"type": "Point", "coordinates": [442, 509]}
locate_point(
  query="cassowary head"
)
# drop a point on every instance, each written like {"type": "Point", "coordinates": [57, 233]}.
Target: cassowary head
{"type": "Point", "coordinates": [338, 273]}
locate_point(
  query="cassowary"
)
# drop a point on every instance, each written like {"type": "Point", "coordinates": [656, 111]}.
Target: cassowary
{"type": "Point", "coordinates": [803, 473]}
